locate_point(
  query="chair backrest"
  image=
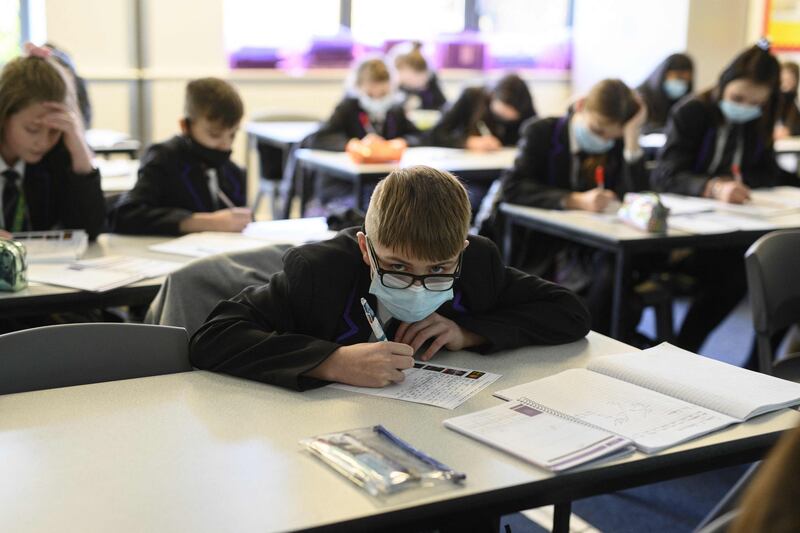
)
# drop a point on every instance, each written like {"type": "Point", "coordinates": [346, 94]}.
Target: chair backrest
{"type": "Point", "coordinates": [77, 354]}
{"type": "Point", "coordinates": [773, 279]}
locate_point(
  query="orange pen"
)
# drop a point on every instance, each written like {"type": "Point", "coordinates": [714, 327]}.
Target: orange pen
{"type": "Point", "coordinates": [600, 177]}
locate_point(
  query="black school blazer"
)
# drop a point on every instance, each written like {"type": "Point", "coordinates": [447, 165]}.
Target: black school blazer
{"type": "Point", "coordinates": [57, 197]}
{"type": "Point", "coordinates": [276, 332]}
{"type": "Point", "coordinates": [691, 140]}
{"type": "Point", "coordinates": [541, 173]}
{"type": "Point", "coordinates": [172, 185]}
{"type": "Point", "coordinates": [348, 122]}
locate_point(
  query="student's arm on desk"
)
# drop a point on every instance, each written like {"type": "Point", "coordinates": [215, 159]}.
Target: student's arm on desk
{"type": "Point", "coordinates": [451, 130]}
{"type": "Point", "coordinates": [81, 203]}
{"type": "Point", "coordinates": [525, 310]}
{"type": "Point", "coordinates": [526, 183]}
{"type": "Point", "coordinates": [337, 131]}
{"type": "Point", "coordinates": [142, 210]}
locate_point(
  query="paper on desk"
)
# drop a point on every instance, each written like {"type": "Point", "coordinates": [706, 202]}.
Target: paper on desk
{"type": "Point", "coordinates": [716, 222]}
{"type": "Point", "coordinates": [432, 384]}
{"type": "Point", "coordinates": [102, 274]}
{"type": "Point", "coordinates": [255, 235]}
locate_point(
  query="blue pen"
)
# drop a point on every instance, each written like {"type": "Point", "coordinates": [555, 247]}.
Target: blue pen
{"type": "Point", "coordinates": [374, 321]}
{"type": "Point", "coordinates": [451, 474]}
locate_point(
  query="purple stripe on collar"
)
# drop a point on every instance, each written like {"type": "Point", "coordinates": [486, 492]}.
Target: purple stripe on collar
{"type": "Point", "coordinates": [457, 306]}
{"type": "Point", "coordinates": [349, 321]}
{"type": "Point", "coordinates": [237, 189]}
{"type": "Point", "coordinates": [198, 202]}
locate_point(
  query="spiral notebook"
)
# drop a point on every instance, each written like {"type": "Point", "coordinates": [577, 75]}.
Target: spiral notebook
{"type": "Point", "coordinates": [547, 440]}
{"type": "Point", "coordinates": [658, 397]}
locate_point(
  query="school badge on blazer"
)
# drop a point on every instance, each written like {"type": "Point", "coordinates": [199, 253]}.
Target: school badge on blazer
{"type": "Point", "coordinates": [13, 268]}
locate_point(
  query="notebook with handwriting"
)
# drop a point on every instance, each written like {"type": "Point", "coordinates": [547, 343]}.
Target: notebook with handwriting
{"type": "Point", "coordinates": [658, 397]}
{"type": "Point", "coordinates": [544, 439]}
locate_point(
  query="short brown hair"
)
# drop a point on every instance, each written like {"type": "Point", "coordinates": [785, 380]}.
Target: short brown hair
{"type": "Point", "coordinates": [613, 100]}
{"type": "Point", "coordinates": [29, 80]}
{"type": "Point", "coordinates": [421, 212]}
{"type": "Point", "coordinates": [372, 70]}
{"type": "Point", "coordinates": [215, 100]}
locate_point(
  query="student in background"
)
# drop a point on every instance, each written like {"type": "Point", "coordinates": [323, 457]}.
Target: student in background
{"type": "Point", "coordinates": [369, 111]}
{"type": "Point", "coordinates": [486, 119]}
{"type": "Point", "coordinates": [419, 270]}
{"type": "Point", "coordinates": [787, 123]}
{"type": "Point", "coordinates": [586, 160]}
{"type": "Point", "coordinates": [719, 145]}
{"type": "Point", "coordinates": [418, 85]}
{"type": "Point", "coordinates": [669, 82]}
{"type": "Point", "coordinates": [189, 182]}
{"type": "Point", "coordinates": [47, 180]}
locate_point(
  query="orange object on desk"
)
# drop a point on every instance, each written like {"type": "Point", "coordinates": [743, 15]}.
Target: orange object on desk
{"type": "Point", "coordinates": [376, 151]}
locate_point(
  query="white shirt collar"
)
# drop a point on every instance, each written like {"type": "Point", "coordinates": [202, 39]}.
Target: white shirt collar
{"type": "Point", "coordinates": [19, 166]}
{"type": "Point", "coordinates": [573, 143]}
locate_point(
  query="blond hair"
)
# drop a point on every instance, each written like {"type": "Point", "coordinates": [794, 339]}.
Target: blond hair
{"type": "Point", "coordinates": [420, 212]}
{"type": "Point", "coordinates": [29, 80]}
{"type": "Point", "coordinates": [215, 100]}
{"type": "Point", "coordinates": [409, 55]}
{"type": "Point", "coordinates": [612, 99]}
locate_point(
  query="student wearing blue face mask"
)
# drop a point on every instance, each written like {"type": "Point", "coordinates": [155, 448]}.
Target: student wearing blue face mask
{"type": "Point", "coordinates": [670, 81]}
{"type": "Point", "coordinates": [586, 160]}
{"type": "Point", "coordinates": [719, 145]}
{"type": "Point", "coordinates": [413, 261]}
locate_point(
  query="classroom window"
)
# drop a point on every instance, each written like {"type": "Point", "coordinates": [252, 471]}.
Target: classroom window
{"type": "Point", "coordinates": [10, 29]}
{"type": "Point", "coordinates": [472, 34]}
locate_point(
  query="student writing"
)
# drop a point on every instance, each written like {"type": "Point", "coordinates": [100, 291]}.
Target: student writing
{"type": "Point", "coordinates": [415, 265]}
{"type": "Point", "coordinates": [669, 82]}
{"type": "Point", "coordinates": [189, 182]}
{"type": "Point", "coordinates": [486, 118]}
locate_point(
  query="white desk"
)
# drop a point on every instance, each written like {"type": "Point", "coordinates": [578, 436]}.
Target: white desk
{"type": "Point", "coordinates": [281, 134]}
{"type": "Point", "coordinates": [204, 452]}
{"type": "Point", "coordinates": [107, 142]}
{"type": "Point", "coordinates": [622, 240]}
{"type": "Point", "coordinates": [469, 165]}
{"type": "Point", "coordinates": [117, 175]}
{"type": "Point", "coordinates": [790, 145]}
{"type": "Point", "coordinates": [40, 298]}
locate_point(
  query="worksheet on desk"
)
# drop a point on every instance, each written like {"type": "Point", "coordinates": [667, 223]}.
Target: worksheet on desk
{"type": "Point", "coordinates": [432, 384]}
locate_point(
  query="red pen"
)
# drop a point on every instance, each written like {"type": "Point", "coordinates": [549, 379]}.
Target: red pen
{"type": "Point", "coordinates": [600, 177]}
{"type": "Point", "coordinates": [365, 123]}
{"type": "Point", "coordinates": [737, 172]}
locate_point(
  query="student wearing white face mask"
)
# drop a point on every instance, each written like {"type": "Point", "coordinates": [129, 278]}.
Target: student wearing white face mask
{"type": "Point", "coordinates": [370, 111]}
{"type": "Point", "coordinates": [670, 81]}
{"type": "Point", "coordinates": [719, 145]}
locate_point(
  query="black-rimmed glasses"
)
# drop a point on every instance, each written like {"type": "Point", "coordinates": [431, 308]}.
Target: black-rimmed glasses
{"type": "Point", "coordinates": [403, 280]}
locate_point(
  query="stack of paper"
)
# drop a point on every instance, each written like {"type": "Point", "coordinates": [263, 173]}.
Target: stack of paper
{"type": "Point", "coordinates": [99, 275]}
{"type": "Point", "coordinates": [53, 246]}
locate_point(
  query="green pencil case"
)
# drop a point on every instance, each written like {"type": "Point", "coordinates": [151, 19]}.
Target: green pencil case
{"type": "Point", "coordinates": [13, 268]}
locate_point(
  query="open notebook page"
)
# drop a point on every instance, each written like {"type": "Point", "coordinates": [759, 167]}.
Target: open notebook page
{"type": "Point", "coordinates": [719, 386]}
{"type": "Point", "coordinates": [653, 421]}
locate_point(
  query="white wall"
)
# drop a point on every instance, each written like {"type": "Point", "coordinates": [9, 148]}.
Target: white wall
{"type": "Point", "coordinates": [625, 38]}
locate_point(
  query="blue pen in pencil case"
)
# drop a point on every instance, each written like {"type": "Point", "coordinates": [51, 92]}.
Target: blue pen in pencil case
{"type": "Point", "coordinates": [13, 268]}
{"type": "Point", "coordinates": [378, 461]}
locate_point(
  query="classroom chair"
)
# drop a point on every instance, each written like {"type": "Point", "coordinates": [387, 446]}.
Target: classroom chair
{"type": "Point", "coordinates": [188, 295]}
{"type": "Point", "coordinates": [773, 264]}
{"type": "Point", "coordinates": [76, 354]}
{"type": "Point", "coordinates": [272, 163]}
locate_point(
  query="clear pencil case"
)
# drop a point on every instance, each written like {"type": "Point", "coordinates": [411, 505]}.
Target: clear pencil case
{"type": "Point", "coordinates": [379, 462]}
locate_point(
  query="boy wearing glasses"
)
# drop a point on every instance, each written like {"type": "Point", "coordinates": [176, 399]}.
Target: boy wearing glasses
{"type": "Point", "coordinates": [416, 266]}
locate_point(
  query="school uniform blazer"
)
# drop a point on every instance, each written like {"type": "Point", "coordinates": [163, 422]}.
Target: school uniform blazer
{"type": "Point", "coordinates": [689, 150]}
{"type": "Point", "coordinates": [173, 184]}
{"type": "Point", "coordinates": [276, 332]}
{"type": "Point", "coordinates": [347, 122]}
{"type": "Point", "coordinates": [542, 170]}
{"type": "Point", "coordinates": [430, 96]}
{"type": "Point", "coordinates": [57, 197]}
{"type": "Point", "coordinates": [461, 121]}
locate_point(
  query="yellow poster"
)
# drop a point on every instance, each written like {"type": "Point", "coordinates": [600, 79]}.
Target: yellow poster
{"type": "Point", "coordinates": [782, 24]}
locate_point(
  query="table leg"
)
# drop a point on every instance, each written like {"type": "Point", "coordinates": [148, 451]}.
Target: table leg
{"type": "Point", "coordinates": [622, 282]}
{"type": "Point", "coordinates": [561, 514]}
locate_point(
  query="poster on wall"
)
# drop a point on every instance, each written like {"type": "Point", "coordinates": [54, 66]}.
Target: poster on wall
{"type": "Point", "coordinates": [782, 24]}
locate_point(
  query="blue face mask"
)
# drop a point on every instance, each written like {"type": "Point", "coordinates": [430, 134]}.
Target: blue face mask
{"type": "Point", "coordinates": [675, 88]}
{"type": "Point", "coordinates": [411, 304]}
{"type": "Point", "coordinates": [589, 142]}
{"type": "Point", "coordinates": [739, 113]}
